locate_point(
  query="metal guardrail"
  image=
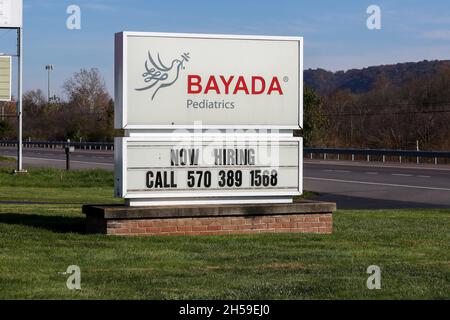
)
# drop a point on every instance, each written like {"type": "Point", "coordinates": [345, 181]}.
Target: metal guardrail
{"type": "Point", "coordinates": [61, 145]}
{"type": "Point", "coordinates": [382, 153]}
{"type": "Point", "coordinates": [322, 152]}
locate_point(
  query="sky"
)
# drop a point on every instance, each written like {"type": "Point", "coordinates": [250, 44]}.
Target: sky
{"type": "Point", "coordinates": [335, 32]}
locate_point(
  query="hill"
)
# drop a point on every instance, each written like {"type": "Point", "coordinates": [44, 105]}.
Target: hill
{"type": "Point", "coordinates": [362, 80]}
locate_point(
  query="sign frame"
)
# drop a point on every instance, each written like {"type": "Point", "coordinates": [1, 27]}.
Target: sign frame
{"type": "Point", "coordinates": [10, 78]}
{"type": "Point", "coordinates": [121, 75]}
{"type": "Point", "coordinates": [121, 163]}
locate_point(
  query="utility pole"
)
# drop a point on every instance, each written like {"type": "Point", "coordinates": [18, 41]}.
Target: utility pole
{"type": "Point", "coordinates": [49, 68]}
{"type": "Point", "coordinates": [19, 100]}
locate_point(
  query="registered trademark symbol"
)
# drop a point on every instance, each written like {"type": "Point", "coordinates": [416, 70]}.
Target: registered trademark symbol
{"type": "Point", "coordinates": [286, 79]}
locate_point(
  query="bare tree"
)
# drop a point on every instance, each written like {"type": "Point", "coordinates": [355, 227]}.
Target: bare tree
{"type": "Point", "coordinates": [86, 90]}
{"type": "Point", "coordinates": [89, 107]}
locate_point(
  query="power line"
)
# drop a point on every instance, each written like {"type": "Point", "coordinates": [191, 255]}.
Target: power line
{"type": "Point", "coordinates": [394, 104]}
{"type": "Point", "coordinates": [370, 114]}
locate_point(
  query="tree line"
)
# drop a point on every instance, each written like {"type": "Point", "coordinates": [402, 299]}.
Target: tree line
{"type": "Point", "coordinates": [388, 115]}
{"type": "Point", "coordinates": [85, 114]}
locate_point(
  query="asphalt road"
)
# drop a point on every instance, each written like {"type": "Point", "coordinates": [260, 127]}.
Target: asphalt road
{"type": "Point", "coordinates": [378, 186]}
{"type": "Point", "coordinates": [352, 185]}
{"type": "Point", "coordinates": [56, 158]}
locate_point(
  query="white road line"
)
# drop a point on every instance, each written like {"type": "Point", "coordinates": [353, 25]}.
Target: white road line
{"type": "Point", "coordinates": [343, 171]}
{"type": "Point", "coordinates": [402, 175]}
{"type": "Point", "coordinates": [424, 177]}
{"type": "Point", "coordinates": [372, 173]}
{"type": "Point", "coordinates": [373, 165]}
{"type": "Point", "coordinates": [379, 184]}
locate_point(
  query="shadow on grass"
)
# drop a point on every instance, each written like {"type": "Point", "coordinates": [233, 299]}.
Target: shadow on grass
{"type": "Point", "coordinates": [52, 223]}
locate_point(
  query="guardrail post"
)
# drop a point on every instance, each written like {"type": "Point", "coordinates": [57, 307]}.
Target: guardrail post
{"type": "Point", "coordinates": [324, 156]}
{"type": "Point", "coordinates": [353, 157]}
{"type": "Point", "coordinates": [368, 158]}
{"type": "Point", "coordinates": [400, 159]}
{"type": "Point", "coordinates": [384, 158]}
{"type": "Point", "coordinates": [339, 157]}
{"type": "Point", "coordinates": [435, 160]}
{"type": "Point", "coordinates": [311, 156]}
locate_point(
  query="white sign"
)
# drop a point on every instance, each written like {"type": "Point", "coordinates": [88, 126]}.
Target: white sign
{"type": "Point", "coordinates": [171, 81]}
{"type": "Point", "coordinates": [11, 12]}
{"type": "Point", "coordinates": [5, 78]}
{"type": "Point", "coordinates": [151, 168]}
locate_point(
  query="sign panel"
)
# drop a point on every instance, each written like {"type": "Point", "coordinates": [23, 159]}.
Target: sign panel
{"type": "Point", "coordinates": [149, 168]}
{"type": "Point", "coordinates": [5, 78]}
{"type": "Point", "coordinates": [166, 81]}
{"type": "Point", "coordinates": [11, 13]}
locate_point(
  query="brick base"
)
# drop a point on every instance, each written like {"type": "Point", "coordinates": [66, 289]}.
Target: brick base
{"type": "Point", "coordinates": [306, 217]}
{"type": "Point", "coordinates": [310, 223]}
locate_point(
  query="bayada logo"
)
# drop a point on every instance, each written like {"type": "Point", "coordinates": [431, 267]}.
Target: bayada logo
{"type": "Point", "coordinates": [158, 76]}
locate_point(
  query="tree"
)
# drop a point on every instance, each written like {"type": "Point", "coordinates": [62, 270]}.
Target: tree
{"type": "Point", "coordinates": [314, 120]}
{"type": "Point", "coordinates": [87, 112]}
{"type": "Point", "coordinates": [86, 90]}
{"type": "Point", "coordinates": [34, 99]}
{"type": "Point", "coordinates": [7, 120]}
{"type": "Point", "coordinates": [5, 129]}
{"type": "Point", "coordinates": [340, 129]}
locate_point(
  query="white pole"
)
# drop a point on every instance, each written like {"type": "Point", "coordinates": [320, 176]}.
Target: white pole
{"type": "Point", "coordinates": [48, 86]}
{"type": "Point", "coordinates": [19, 101]}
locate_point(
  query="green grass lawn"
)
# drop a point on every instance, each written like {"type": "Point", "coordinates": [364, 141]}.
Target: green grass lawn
{"type": "Point", "coordinates": [7, 159]}
{"type": "Point", "coordinates": [51, 185]}
{"type": "Point", "coordinates": [39, 241]}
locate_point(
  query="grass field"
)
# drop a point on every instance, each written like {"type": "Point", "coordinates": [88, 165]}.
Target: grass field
{"type": "Point", "coordinates": [39, 241]}
{"type": "Point", "coordinates": [7, 159]}
{"type": "Point", "coordinates": [50, 185]}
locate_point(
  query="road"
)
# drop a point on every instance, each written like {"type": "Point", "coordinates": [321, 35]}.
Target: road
{"type": "Point", "coordinates": [352, 185]}
{"type": "Point", "coordinates": [56, 158]}
{"type": "Point", "coordinates": [378, 186]}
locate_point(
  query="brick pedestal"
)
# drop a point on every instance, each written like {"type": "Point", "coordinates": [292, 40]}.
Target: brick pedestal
{"type": "Point", "coordinates": [305, 216]}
